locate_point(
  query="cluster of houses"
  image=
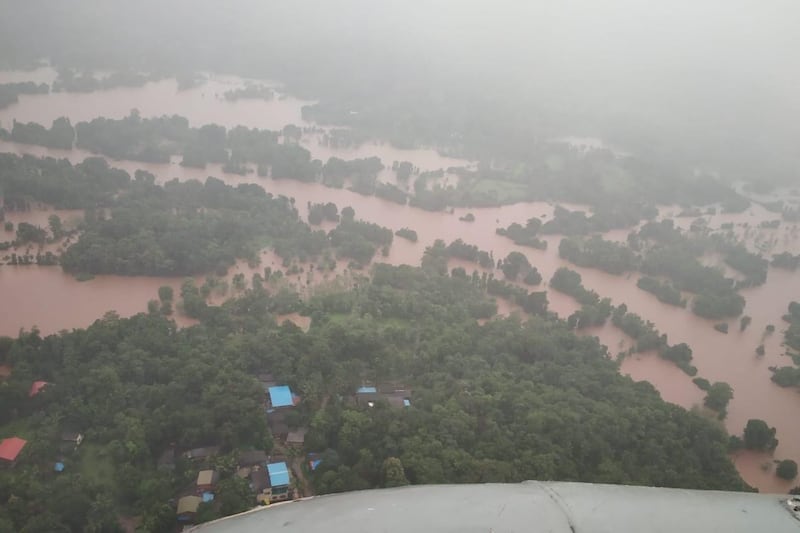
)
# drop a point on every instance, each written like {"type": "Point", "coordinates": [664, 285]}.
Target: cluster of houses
{"type": "Point", "coordinates": [11, 448]}
{"type": "Point", "coordinates": [269, 479]}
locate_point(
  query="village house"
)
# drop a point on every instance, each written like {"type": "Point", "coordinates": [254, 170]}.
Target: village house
{"type": "Point", "coordinates": [279, 399]}
{"type": "Point", "coordinates": [206, 481]}
{"type": "Point", "coordinates": [187, 508]}
{"type": "Point", "coordinates": [252, 457]}
{"type": "Point", "coordinates": [259, 480]}
{"type": "Point", "coordinates": [70, 440]}
{"type": "Point", "coordinates": [296, 438]}
{"type": "Point", "coordinates": [271, 482]}
{"type": "Point", "coordinates": [368, 396]}
{"type": "Point", "coordinates": [10, 449]}
{"type": "Point", "coordinates": [279, 482]}
{"type": "Point", "coordinates": [36, 388]}
{"type": "Point", "coordinates": [198, 454]}
{"type": "Point", "coordinates": [281, 396]}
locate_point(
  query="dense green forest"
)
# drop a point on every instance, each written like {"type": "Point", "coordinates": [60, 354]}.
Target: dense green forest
{"type": "Point", "coordinates": [789, 376]}
{"type": "Point", "coordinates": [241, 150]}
{"type": "Point", "coordinates": [596, 252]}
{"type": "Point", "coordinates": [506, 401]}
{"type": "Point", "coordinates": [595, 311]}
{"type": "Point", "coordinates": [180, 228]}
{"type": "Point", "coordinates": [60, 135]}
{"type": "Point", "coordinates": [9, 92]}
{"type": "Point", "coordinates": [87, 185]}
{"type": "Point", "coordinates": [662, 290]}
{"type": "Point", "coordinates": [188, 228]}
{"type": "Point", "coordinates": [524, 235]}
{"type": "Point", "coordinates": [659, 249]}
{"type": "Point", "coordinates": [80, 81]}
{"type": "Point", "coordinates": [786, 261]}
{"type": "Point", "coordinates": [251, 90]}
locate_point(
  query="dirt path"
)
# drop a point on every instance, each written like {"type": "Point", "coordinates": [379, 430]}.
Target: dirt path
{"type": "Point", "coordinates": [302, 481]}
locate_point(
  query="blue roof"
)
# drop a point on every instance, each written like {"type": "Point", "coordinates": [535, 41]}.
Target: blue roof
{"type": "Point", "coordinates": [278, 474]}
{"type": "Point", "coordinates": [406, 402]}
{"type": "Point", "coordinates": [59, 467]}
{"type": "Point", "coordinates": [280, 396]}
{"type": "Point", "coordinates": [208, 497]}
{"type": "Point", "coordinates": [315, 463]}
{"type": "Point", "coordinates": [366, 390]}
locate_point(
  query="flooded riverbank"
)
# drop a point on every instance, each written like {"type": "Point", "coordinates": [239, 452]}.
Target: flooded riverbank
{"type": "Point", "coordinates": [52, 300]}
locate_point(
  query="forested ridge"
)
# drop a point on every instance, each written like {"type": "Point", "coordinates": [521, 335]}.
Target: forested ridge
{"type": "Point", "coordinates": [506, 401]}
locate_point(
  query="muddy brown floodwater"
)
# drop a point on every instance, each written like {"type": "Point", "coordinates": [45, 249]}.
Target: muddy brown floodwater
{"type": "Point", "coordinates": [46, 297]}
{"type": "Point", "coordinates": [51, 300]}
{"type": "Point", "coordinates": [201, 105]}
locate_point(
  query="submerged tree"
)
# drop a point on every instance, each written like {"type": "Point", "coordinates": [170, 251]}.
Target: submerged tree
{"type": "Point", "coordinates": [759, 436]}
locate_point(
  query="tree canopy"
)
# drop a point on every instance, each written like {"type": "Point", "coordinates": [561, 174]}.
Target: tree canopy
{"type": "Point", "coordinates": [505, 401]}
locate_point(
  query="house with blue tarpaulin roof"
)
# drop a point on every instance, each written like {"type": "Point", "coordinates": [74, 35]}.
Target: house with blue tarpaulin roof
{"type": "Point", "coordinates": [281, 396]}
{"type": "Point", "coordinates": [279, 481]}
{"type": "Point", "coordinates": [280, 399]}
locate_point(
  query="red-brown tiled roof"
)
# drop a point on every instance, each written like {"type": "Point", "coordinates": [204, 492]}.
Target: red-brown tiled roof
{"type": "Point", "coordinates": [37, 387]}
{"type": "Point", "coordinates": [10, 448]}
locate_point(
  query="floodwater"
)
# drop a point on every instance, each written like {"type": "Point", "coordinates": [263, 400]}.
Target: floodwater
{"type": "Point", "coordinates": [46, 297]}
{"type": "Point", "coordinates": [49, 299]}
{"type": "Point", "coordinates": [201, 105]}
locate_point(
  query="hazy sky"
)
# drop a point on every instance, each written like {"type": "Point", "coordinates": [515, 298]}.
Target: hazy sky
{"type": "Point", "coordinates": [682, 65]}
{"type": "Point", "coordinates": [583, 40]}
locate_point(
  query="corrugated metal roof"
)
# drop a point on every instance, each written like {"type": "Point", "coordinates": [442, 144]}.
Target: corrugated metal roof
{"type": "Point", "coordinates": [10, 448]}
{"type": "Point", "coordinates": [205, 477]}
{"type": "Point", "coordinates": [188, 504]}
{"type": "Point", "coordinates": [280, 396]}
{"type": "Point", "coordinates": [278, 474]}
{"type": "Point", "coordinates": [36, 388]}
{"type": "Point", "coordinates": [530, 507]}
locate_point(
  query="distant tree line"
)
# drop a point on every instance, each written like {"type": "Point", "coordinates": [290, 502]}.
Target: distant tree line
{"type": "Point", "coordinates": [9, 92]}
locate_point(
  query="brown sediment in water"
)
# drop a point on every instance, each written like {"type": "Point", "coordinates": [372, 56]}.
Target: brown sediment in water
{"type": "Point", "coordinates": [52, 300]}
